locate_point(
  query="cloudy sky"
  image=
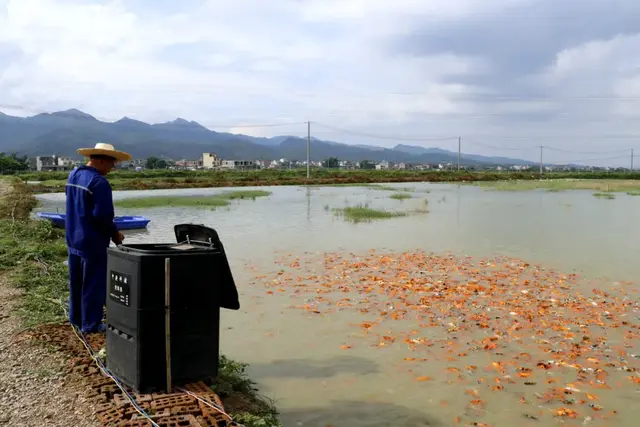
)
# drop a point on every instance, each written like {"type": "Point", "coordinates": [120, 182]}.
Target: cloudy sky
{"type": "Point", "coordinates": [505, 75]}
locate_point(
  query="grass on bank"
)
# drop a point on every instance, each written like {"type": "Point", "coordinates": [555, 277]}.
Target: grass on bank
{"type": "Point", "coordinates": [336, 175]}
{"type": "Point", "coordinates": [172, 179]}
{"type": "Point", "coordinates": [31, 258]}
{"type": "Point", "coordinates": [377, 180]}
{"type": "Point", "coordinates": [601, 185]}
{"type": "Point", "coordinates": [218, 200]}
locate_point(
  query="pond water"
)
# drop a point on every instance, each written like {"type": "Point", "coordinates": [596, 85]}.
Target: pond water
{"type": "Point", "coordinates": [297, 358]}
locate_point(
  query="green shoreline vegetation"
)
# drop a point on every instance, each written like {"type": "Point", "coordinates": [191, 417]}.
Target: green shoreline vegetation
{"type": "Point", "coordinates": [362, 213]}
{"type": "Point", "coordinates": [555, 185]}
{"type": "Point", "coordinates": [400, 196]}
{"type": "Point", "coordinates": [607, 196]}
{"type": "Point", "coordinates": [214, 201]}
{"type": "Point", "coordinates": [32, 253]}
{"type": "Point", "coordinates": [48, 182]}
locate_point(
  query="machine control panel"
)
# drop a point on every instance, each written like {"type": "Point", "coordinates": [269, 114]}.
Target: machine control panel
{"type": "Point", "coordinates": [119, 287]}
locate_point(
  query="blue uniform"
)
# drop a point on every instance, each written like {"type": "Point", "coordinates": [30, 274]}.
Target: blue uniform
{"type": "Point", "coordinates": [89, 229]}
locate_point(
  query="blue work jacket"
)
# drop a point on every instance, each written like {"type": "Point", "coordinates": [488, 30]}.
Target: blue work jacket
{"type": "Point", "coordinates": [89, 222]}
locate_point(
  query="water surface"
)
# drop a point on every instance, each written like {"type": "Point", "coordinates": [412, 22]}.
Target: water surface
{"type": "Point", "coordinates": [297, 359]}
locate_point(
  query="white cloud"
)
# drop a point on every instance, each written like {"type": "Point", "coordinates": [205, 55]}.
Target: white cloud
{"type": "Point", "coordinates": [252, 62]}
{"type": "Point", "coordinates": [603, 73]}
{"type": "Point", "coordinates": [102, 49]}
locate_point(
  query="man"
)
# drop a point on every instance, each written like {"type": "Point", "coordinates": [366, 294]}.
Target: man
{"type": "Point", "coordinates": [89, 229]}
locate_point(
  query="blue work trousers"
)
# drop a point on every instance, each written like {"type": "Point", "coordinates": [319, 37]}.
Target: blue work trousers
{"type": "Point", "coordinates": [87, 291]}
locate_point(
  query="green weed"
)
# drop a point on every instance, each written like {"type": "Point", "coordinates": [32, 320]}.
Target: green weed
{"type": "Point", "coordinates": [252, 409]}
{"type": "Point", "coordinates": [244, 194]}
{"type": "Point", "coordinates": [215, 201]}
{"type": "Point", "coordinates": [607, 196]}
{"type": "Point", "coordinates": [400, 196]}
{"type": "Point", "coordinates": [362, 213]}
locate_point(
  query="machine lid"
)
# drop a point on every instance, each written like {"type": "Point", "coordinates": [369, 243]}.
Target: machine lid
{"type": "Point", "coordinates": [196, 233]}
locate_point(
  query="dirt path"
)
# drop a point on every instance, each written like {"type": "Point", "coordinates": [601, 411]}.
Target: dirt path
{"type": "Point", "coordinates": [33, 390]}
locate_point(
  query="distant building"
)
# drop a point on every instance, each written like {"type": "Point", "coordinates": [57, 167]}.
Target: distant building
{"type": "Point", "coordinates": [348, 164]}
{"type": "Point", "coordinates": [211, 161]}
{"type": "Point", "coordinates": [131, 164]}
{"type": "Point", "coordinates": [238, 164]}
{"type": "Point", "coordinates": [52, 163]}
{"type": "Point", "coordinates": [188, 164]}
{"type": "Point", "coordinates": [384, 165]}
{"type": "Point", "coordinates": [66, 163]}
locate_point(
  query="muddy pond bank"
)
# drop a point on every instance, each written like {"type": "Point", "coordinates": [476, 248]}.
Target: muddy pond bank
{"type": "Point", "coordinates": [52, 182]}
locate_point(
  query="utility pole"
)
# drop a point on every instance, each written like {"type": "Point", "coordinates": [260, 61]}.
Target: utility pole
{"type": "Point", "coordinates": [308, 148]}
{"type": "Point", "coordinates": [632, 160]}
{"type": "Point", "coordinates": [459, 142]}
{"type": "Point", "coordinates": [541, 160]}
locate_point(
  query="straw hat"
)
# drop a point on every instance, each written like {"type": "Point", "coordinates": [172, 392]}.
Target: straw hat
{"type": "Point", "coordinates": [105, 150]}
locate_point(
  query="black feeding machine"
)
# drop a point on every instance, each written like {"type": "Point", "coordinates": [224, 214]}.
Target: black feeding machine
{"type": "Point", "coordinates": [163, 309]}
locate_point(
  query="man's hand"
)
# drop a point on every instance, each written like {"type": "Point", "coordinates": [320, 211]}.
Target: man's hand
{"type": "Point", "coordinates": [118, 238]}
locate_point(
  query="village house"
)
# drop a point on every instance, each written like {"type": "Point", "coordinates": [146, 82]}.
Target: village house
{"type": "Point", "coordinates": [348, 164]}
{"type": "Point", "coordinates": [383, 165]}
{"type": "Point", "coordinates": [238, 164]}
{"type": "Point", "coordinates": [211, 161]}
{"type": "Point", "coordinates": [188, 164]}
{"type": "Point", "coordinates": [401, 166]}
{"type": "Point", "coordinates": [261, 164]}
{"type": "Point", "coordinates": [51, 163]}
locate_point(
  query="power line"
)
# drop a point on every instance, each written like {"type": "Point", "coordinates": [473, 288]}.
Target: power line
{"type": "Point", "coordinates": [448, 138]}
{"type": "Point", "coordinates": [471, 141]}
{"type": "Point", "coordinates": [566, 162]}
{"type": "Point", "coordinates": [257, 126]}
{"type": "Point", "coordinates": [560, 137]}
{"type": "Point", "coordinates": [585, 152]}
{"type": "Point", "coordinates": [474, 96]}
{"type": "Point", "coordinates": [379, 136]}
{"type": "Point", "coordinates": [402, 138]}
{"type": "Point", "coordinates": [533, 147]}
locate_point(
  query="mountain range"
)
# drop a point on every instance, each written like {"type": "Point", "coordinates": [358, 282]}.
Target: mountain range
{"type": "Point", "coordinates": [63, 132]}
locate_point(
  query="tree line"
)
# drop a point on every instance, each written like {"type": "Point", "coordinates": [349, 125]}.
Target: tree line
{"type": "Point", "coordinates": [12, 163]}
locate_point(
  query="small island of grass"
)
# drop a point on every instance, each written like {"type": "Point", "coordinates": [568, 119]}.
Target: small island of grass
{"type": "Point", "coordinates": [607, 196]}
{"type": "Point", "coordinates": [214, 201]}
{"type": "Point", "coordinates": [364, 214]}
{"type": "Point", "coordinates": [401, 196]}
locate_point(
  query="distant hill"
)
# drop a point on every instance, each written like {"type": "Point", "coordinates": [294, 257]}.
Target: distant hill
{"type": "Point", "coordinates": [63, 132]}
{"type": "Point", "coordinates": [419, 151]}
